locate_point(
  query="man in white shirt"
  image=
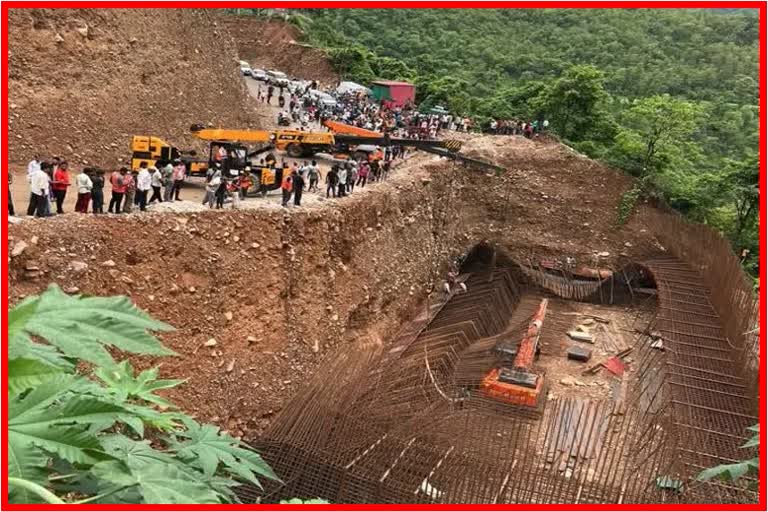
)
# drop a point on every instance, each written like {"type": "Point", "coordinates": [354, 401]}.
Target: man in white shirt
{"type": "Point", "coordinates": [39, 184]}
{"type": "Point", "coordinates": [32, 166]}
{"type": "Point", "coordinates": [143, 184]}
{"type": "Point", "coordinates": [84, 186]}
{"type": "Point", "coordinates": [157, 184]}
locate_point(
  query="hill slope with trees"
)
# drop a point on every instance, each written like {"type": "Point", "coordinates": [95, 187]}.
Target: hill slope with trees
{"type": "Point", "coordinates": [668, 95]}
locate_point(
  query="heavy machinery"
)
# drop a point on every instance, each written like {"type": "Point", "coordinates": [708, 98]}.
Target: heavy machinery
{"type": "Point", "coordinates": [155, 151]}
{"type": "Point", "coordinates": [514, 380]}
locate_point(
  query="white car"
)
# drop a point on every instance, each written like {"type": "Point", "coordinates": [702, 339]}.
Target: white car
{"type": "Point", "coordinates": [323, 98]}
{"type": "Point", "coordinates": [259, 74]}
{"type": "Point", "coordinates": [277, 78]}
{"type": "Point", "coordinates": [245, 68]}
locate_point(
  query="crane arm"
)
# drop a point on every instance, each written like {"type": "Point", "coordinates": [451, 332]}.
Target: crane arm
{"type": "Point", "coordinates": [232, 135]}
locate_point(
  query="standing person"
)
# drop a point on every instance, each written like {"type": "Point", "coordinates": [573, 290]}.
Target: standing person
{"type": "Point", "coordinates": [143, 185]}
{"type": "Point", "coordinates": [33, 166]}
{"type": "Point", "coordinates": [270, 92]}
{"type": "Point", "coordinates": [117, 180]}
{"type": "Point", "coordinates": [221, 193]}
{"type": "Point", "coordinates": [298, 188]}
{"type": "Point", "coordinates": [244, 183]}
{"type": "Point", "coordinates": [363, 174]}
{"type": "Point", "coordinates": [84, 186]}
{"type": "Point", "coordinates": [286, 186]}
{"type": "Point", "coordinates": [167, 173]}
{"type": "Point", "coordinates": [342, 176]}
{"type": "Point", "coordinates": [331, 180]}
{"type": "Point", "coordinates": [157, 185]}
{"type": "Point", "coordinates": [212, 186]}
{"type": "Point", "coordinates": [39, 185]}
{"type": "Point", "coordinates": [11, 211]}
{"type": "Point", "coordinates": [313, 173]}
{"type": "Point", "coordinates": [352, 174]}
{"type": "Point", "coordinates": [97, 192]}
{"type": "Point", "coordinates": [130, 191]}
{"type": "Point", "coordinates": [60, 183]}
{"type": "Point", "coordinates": [179, 175]}
{"type": "Point", "coordinates": [385, 169]}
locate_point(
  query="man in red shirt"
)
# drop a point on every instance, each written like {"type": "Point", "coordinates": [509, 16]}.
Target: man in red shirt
{"type": "Point", "coordinates": [59, 185]}
{"type": "Point", "coordinates": [117, 179]}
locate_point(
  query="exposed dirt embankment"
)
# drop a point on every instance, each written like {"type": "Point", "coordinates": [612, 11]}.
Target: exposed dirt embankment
{"type": "Point", "coordinates": [272, 44]}
{"type": "Point", "coordinates": [277, 289]}
{"type": "Point", "coordinates": [82, 81]}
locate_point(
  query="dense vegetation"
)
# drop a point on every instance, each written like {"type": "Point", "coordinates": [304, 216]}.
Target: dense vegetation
{"type": "Point", "coordinates": [669, 95]}
{"type": "Point", "coordinates": [84, 429]}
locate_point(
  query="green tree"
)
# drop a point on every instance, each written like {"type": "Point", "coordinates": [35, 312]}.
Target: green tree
{"type": "Point", "coordinates": [654, 125]}
{"type": "Point", "coordinates": [78, 436]}
{"type": "Point", "coordinates": [575, 102]}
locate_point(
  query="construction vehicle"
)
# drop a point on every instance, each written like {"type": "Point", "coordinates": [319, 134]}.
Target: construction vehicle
{"type": "Point", "coordinates": [514, 380]}
{"type": "Point", "coordinates": [229, 147]}
{"type": "Point", "coordinates": [155, 151]}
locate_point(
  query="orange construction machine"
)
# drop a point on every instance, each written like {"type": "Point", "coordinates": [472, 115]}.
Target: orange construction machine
{"type": "Point", "coordinates": [517, 383]}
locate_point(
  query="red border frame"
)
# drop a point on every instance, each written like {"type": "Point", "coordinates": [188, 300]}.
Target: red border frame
{"type": "Point", "coordinates": [762, 54]}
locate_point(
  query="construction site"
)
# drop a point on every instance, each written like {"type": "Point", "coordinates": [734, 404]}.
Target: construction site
{"type": "Point", "coordinates": [458, 333]}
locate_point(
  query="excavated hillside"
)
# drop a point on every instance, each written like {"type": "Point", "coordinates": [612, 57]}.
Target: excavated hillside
{"type": "Point", "coordinates": [82, 81]}
{"type": "Point", "coordinates": [274, 44]}
{"type": "Point", "coordinates": [277, 289]}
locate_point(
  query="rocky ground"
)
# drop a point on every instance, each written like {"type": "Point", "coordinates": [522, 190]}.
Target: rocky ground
{"type": "Point", "coordinates": [272, 44]}
{"type": "Point", "coordinates": [259, 296]}
{"type": "Point", "coordinates": [82, 81]}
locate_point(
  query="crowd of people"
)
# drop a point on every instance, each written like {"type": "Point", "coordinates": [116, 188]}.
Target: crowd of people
{"type": "Point", "coordinates": [516, 127]}
{"type": "Point", "coordinates": [49, 183]}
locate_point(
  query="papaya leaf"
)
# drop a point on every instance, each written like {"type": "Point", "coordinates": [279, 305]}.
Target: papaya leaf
{"type": "Point", "coordinates": [81, 327]}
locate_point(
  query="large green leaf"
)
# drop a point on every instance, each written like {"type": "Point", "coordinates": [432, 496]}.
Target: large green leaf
{"type": "Point", "coordinates": [206, 447]}
{"type": "Point", "coordinates": [157, 482]}
{"type": "Point", "coordinates": [24, 374]}
{"type": "Point", "coordinates": [80, 327]}
{"type": "Point", "coordinates": [27, 462]}
{"type": "Point", "coordinates": [44, 419]}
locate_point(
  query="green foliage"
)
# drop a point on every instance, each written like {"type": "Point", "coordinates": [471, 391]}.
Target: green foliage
{"type": "Point", "coordinates": [735, 471]}
{"type": "Point", "coordinates": [668, 94]}
{"type": "Point", "coordinates": [70, 435]}
{"type": "Point", "coordinates": [296, 501]}
{"type": "Point", "coordinates": [576, 102]}
{"type": "Point", "coordinates": [627, 204]}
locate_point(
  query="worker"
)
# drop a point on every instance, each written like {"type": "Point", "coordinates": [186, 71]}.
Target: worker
{"type": "Point", "coordinates": [97, 192]}
{"type": "Point", "coordinates": [84, 186]}
{"type": "Point", "coordinates": [298, 187]}
{"type": "Point", "coordinates": [331, 180]}
{"type": "Point", "coordinates": [117, 180]}
{"type": "Point", "coordinates": [286, 186]}
{"type": "Point", "coordinates": [59, 185]}
{"type": "Point", "coordinates": [245, 183]}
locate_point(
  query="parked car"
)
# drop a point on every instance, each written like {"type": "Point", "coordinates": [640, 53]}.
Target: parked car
{"type": "Point", "coordinates": [323, 98]}
{"type": "Point", "coordinates": [259, 74]}
{"type": "Point", "coordinates": [277, 78]}
{"type": "Point", "coordinates": [245, 68]}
